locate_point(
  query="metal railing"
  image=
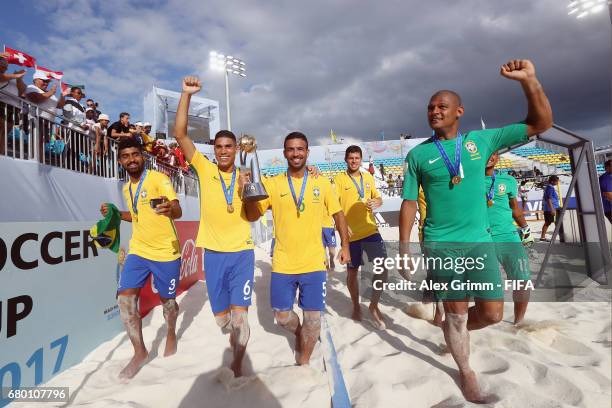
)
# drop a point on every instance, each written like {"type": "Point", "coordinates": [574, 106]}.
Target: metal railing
{"type": "Point", "coordinates": [28, 132]}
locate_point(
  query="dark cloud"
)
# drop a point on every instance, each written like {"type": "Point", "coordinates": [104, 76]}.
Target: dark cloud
{"type": "Point", "coordinates": [357, 67]}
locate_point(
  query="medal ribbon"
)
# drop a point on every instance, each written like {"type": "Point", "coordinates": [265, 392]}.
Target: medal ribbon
{"type": "Point", "coordinates": [298, 202]}
{"type": "Point", "coordinates": [361, 191]}
{"type": "Point", "coordinates": [490, 193]}
{"type": "Point", "coordinates": [228, 192]}
{"type": "Point", "coordinates": [134, 199]}
{"type": "Point", "coordinates": [453, 170]}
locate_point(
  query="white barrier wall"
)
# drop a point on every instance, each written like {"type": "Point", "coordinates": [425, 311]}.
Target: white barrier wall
{"type": "Point", "coordinates": [57, 291]}
{"type": "Point", "coordinates": [57, 299]}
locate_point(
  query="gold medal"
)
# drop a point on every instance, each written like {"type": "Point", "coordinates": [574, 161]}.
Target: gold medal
{"type": "Point", "coordinates": [490, 203]}
{"type": "Point", "coordinates": [134, 218]}
{"type": "Point", "coordinates": [456, 180]}
{"type": "Point", "coordinates": [230, 208]}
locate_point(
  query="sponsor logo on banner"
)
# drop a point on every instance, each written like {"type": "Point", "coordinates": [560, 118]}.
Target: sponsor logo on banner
{"type": "Point", "coordinates": [191, 267]}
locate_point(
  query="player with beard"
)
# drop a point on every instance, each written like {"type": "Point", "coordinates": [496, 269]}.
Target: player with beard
{"type": "Point", "coordinates": [450, 168]}
{"type": "Point", "coordinates": [154, 249]}
{"type": "Point", "coordinates": [298, 204]}
{"type": "Point", "coordinates": [358, 199]}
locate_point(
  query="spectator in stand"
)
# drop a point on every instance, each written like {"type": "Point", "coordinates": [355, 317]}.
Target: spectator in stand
{"type": "Point", "coordinates": [121, 128]}
{"type": "Point", "coordinates": [136, 130]}
{"type": "Point", "coordinates": [390, 184]}
{"type": "Point", "coordinates": [100, 129]}
{"type": "Point", "coordinates": [148, 139]}
{"type": "Point", "coordinates": [90, 114]}
{"type": "Point", "coordinates": [93, 105]}
{"type": "Point", "coordinates": [382, 171]}
{"type": "Point", "coordinates": [147, 129]}
{"type": "Point", "coordinates": [371, 166]}
{"type": "Point", "coordinates": [178, 157]}
{"type": "Point", "coordinates": [46, 100]}
{"type": "Point", "coordinates": [399, 183]}
{"type": "Point", "coordinates": [523, 193]}
{"type": "Point", "coordinates": [10, 84]}
{"type": "Point", "coordinates": [605, 184]}
{"type": "Point", "coordinates": [550, 205]}
{"type": "Point", "coordinates": [73, 112]}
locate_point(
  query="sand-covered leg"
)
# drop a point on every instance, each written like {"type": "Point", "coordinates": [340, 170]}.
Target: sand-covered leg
{"type": "Point", "coordinates": [240, 335]}
{"type": "Point", "coordinates": [128, 309]}
{"type": "Point", "coordinates": [171, 310]}
{"type": "Point", "coordinates": [458, 341]}
{"type": "Point", "coordinates": [290, 321]}
{"type": "Point", "coordinates": [309, 335]}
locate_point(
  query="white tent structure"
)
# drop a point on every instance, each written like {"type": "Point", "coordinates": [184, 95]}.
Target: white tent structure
{"type": "Point", "coordinates": [160, 110]}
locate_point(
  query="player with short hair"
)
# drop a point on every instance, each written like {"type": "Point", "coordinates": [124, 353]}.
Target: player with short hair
{"type": "Point", "coordinates": [450, 168]}
{"type": "Point", "coordinates": [154, 249]}
{"type": "Point", "coordinates": [224, 231]}
{"type": "Point", "coordinates": [298, 203]}
{"type": "Point", "coordinates": [359, 198]}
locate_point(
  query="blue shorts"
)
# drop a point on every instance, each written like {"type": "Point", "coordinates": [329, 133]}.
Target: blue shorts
{"type": "Point", "coordinates": [229, 278]}
{"type": "Point", "coordinates": [373, 246]}
{"type": "Point", "coordinates": [329, 237]}
{"type": "Point", "coordinates": [136, 270]}
{"type": "Point", "coordinates": [312, 290]}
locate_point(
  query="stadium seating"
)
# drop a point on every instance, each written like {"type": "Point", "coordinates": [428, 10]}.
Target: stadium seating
{"type": "Point", "coordinates": [559, 160]}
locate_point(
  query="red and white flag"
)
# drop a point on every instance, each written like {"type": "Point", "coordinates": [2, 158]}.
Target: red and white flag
{"type": "Point", "coordinates": [17, 57]}
{"type": "Point", "coordinates": [50, 74]}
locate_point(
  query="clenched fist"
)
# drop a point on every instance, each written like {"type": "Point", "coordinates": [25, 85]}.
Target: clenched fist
{"type": "Point", "coordinates": [191, 85]}
{"type": "Point", "coordinates": [518, 70]}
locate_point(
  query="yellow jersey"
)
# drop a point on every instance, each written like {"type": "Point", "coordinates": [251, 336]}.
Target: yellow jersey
{"type": "Point", "coordinates": [422, 208]}
{"type": "Point", "coordinates": [220, 230]}
{"type": "Point", "coordinates": [153, 236]}
{"type": "Point", "coordinates": [299, 246]}
{"type": "Point", "coordinates": [359, 219]}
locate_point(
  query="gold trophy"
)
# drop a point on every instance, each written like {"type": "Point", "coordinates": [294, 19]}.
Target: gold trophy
{"type": "Point", "coordinates": [253, 191]}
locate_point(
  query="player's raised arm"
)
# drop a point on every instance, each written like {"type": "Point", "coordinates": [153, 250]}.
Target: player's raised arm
{"type": "Point", "coordinates": [539, 113]}
{"type": "Point", "coordinates": [191, 85]}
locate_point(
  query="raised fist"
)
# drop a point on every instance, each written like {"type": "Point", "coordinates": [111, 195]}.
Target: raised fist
{"type": "Point", "coordinates": [191, 85]}
{"type": "Point", "coordinates": [518, 70]}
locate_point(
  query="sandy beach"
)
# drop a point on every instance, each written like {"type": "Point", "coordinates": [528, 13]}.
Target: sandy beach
{"type": "Point", "coordinates": [560, 356]}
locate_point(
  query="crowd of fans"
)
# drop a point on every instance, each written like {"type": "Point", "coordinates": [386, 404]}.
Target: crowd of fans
{"type": "Point", "coordinates": [86, 119]}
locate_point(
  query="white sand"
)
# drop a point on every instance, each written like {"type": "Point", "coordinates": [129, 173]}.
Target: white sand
{"type": "Point", "coordinates": [560, 356]}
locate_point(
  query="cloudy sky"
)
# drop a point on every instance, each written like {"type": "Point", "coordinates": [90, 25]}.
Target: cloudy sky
{"type": "Point", "coordinates": [357, 67]}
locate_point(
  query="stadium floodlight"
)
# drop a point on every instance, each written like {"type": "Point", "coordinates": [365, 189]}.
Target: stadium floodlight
{"type": "Point", "coordinates": [583, 8]}
{"type": "Point", "coordinates": [229, 65]}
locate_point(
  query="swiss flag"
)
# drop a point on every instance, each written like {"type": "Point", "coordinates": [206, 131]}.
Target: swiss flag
{"type": "Point", "coordinates": [50, 74]}
{"type": "Point", "coordinates": [19, 58]}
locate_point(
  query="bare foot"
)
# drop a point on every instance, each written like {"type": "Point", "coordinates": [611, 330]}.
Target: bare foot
{"type": "Point", "coordinates": [130, 370]}
{"type": "Point", "coordinates": [356, 316]}
{"type": "Point", "coordinates": [377, 317]}
{"type": "Point", "coordinates": [469, 387]}
{"type": "Point", "coordinates": [170, 344]}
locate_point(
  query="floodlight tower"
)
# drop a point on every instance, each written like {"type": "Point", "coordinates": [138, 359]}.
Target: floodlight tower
{"type": "Point", "coordinates": [583, 8]}
{"type": "Point", "coordinates": [229, 65]}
